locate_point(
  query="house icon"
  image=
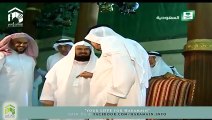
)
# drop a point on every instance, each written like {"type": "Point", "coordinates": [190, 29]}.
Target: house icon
{"type": "Point", "coordinates": [9, 109]}
{"type": "Point", "coordinates": [15, 15]}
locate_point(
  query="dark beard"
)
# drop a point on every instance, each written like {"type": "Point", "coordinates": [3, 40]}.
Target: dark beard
{"type": "Point", "coordinates": [20, 52]}
{"type": "Point", "coordinates": [82, 58]}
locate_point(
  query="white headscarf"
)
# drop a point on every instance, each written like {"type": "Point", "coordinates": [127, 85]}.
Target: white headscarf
{"type": "Point", "coordinates": [160, 67]}
{"type": "Point", "coordinates": [62, 42]}
{"type": "Point", "coordinates": [61, 78]}
{"type": "Point", "coordinates": [66, 63]}
{"type": "Point", "coordinates": [111, 42]}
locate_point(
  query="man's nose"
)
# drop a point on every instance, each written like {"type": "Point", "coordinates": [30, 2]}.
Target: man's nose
{"type": "Point", "coordinates": [63, 48]}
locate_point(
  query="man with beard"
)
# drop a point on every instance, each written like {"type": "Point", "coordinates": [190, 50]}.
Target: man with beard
{"type": "Point", "coordinates": [18, 52]}
{"type": "Point", "coordinates": [63, 46]}
{"type": "Point", "coordinates": [68, 82]}
{"type": "Point", "coordinates": [122, 72]}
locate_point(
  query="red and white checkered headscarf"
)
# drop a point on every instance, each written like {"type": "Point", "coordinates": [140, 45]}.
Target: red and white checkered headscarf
{"type": "Point", "coordinates": [32, 49]}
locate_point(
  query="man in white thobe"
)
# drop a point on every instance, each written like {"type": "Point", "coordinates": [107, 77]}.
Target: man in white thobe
{"type": "Point", "coordinates": [122, 72]}
{"type": "Point", "coordinates": [68, 82]}
{"type": "Point", "coordinates": [63, 46]}
{"type": "Point", "coordinates": [158, 66]}
{"type": "Point", "coordinates": [18, 52]}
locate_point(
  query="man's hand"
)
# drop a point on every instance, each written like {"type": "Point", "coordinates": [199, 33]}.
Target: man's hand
{"type": "Point", "coordinates": [110, 105]}
{"type": "Point", "coordinates": [85, 74]}
{"type": "Point", "coordinates": [47, 102]}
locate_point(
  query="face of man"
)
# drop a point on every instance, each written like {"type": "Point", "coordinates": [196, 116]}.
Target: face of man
{"type": "Point", "coordinates": [96, 46]}
{"type": "Point", "coordinates": [152, 61]}
{"type": "Point", "coordinates": [64, 49]}
{"type": "Point", "coordinates": [82, 53]}
{"type": "Point", "coordinates": [19, 45]}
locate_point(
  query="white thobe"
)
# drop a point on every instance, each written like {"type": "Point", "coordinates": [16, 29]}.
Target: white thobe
{"type": "Point", "coordinates": [115, 81]}
{"type": "Point", "coordinates": [70, 92]}
{"type": "Point", "coordinates": [16, 77]}
{"type": "Point", "coordinates": [53, 59]}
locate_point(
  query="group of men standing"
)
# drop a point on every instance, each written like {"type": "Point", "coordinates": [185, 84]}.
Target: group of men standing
{"type": "Point", "coordinates": [119, 77]}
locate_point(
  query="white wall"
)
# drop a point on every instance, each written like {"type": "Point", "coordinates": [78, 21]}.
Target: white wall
{"type": "Point", "coordinates": [169, 48]}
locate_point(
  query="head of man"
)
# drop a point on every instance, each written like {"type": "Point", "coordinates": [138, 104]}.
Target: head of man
{"type": "Point", "coordinates": [94, 38]}
{"type": "Point", "coordinates": [152, 61]}
{"type": "Point", "coordinates": [19, 44]}
{"type": "Point", "coordinates": [96, 46]}
{"type": "Point", "coordinates": [152, 57]}
{"type": "Point", "coordinates": [82, 53]}
{"type": "Point", "coordinates": [64, 49]}
{"type": "Point", "coordinates": [63, 46]}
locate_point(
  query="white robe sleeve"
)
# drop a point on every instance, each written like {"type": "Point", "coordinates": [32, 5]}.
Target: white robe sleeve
{"type": "Point", "coordinates": [123, 73]}
{"type": "Point", "coordinates": [2, 60]}
{"type": "Point", "coordinates": [50, 86]}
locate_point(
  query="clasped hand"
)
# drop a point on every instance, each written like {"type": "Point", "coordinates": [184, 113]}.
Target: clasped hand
{"type": "Point", "coordinates": [85, 74]}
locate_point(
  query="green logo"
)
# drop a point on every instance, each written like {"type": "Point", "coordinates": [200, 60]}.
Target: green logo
{"type": "Point", "coordinates": [188, 15]}
{"type": "Point", "coordinates": [9, 111]}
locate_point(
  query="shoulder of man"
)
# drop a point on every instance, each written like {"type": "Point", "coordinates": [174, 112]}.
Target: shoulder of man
{"type": "Point", "coordinates": [53, 55]}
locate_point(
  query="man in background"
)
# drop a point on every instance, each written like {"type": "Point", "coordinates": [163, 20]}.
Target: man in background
{"type": "Point", "coordinates": [158, 66]}
{"type": "Point", "coordinates": [63, 46]}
